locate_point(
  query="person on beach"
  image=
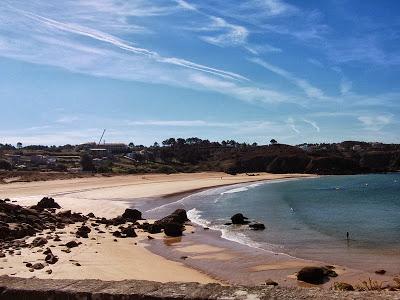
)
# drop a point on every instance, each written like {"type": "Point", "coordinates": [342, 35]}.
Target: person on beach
{"type": "Point", "coordinates": [347, 235]}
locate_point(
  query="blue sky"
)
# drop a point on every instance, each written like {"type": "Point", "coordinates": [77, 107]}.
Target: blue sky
{"type": "Point", "coordinates": [298, 71]}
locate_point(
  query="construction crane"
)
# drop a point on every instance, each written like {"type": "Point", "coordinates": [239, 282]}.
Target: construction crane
{"type": "Point", "coordinates": [104, 131]}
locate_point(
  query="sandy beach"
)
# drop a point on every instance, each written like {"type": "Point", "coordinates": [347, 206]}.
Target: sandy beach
{"type": "Point", "coordinates": [98, 257]}
{"type": "Point", "coordinates": [199, 256]}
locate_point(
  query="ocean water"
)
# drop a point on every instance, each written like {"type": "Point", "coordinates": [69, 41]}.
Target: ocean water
{"type": "Point", "coordinates": [309, 218]}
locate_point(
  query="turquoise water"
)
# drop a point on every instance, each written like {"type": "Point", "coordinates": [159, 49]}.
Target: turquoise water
{"type": "Point", "coordinates": [309, 218]}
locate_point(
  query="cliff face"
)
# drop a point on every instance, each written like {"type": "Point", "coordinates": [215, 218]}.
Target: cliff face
{"type": "Point", "coordinates": [326, 160]}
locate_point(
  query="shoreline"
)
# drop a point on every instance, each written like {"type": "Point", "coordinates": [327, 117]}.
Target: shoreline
{"type": "Point", "coordinates": [207, 253]}
{"type": "Point", "coordinates": [230, 261]}
{"type": "Point", "coordinates": [108, 197]}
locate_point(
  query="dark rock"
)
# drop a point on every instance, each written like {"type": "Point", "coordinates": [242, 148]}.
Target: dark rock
{"type": "Point", "coordinates": [239, 219]}
{"type": "Point", "coordinates": [380, 272]}
{"type": "Point", "coordinates": [71, 244]}
{"type": "Point", "coordinates": [49, 271]}
{"type": "Point", "coordinates": [47, 251]}
{"type": "Point", "coordinates": [257, 226]}
{"type": "Point", "coordinates": [150, 237]}
{"type": "Point", "coordinates": [83, 231]}
{"type": "Point", "coordinates": [38, 266]}
{"type": "Point", "coordinates": [271, 282]}
{"type": "Point", "coordinates": [132, 215]}
{"type": "Point", "coordinates": [173, 229]}
{"type": "Point", "coordinates": [28, 265]}
{"type": "Point", "coordinates": [2, 255]}
{"type": "Point", "coordinates": [151, 228]}
{"type": "Point", "coordinates": [48, 203]}
{"type": "Point", "coordinates": [38, 242]}
{"type": "Point", "coordinates": [117, 233]}
{"type": "Point", "coordinates": [179, 216]}
{"type": "Point", "coordinates": [91, 215]}
{"type": "Point", "coordinates": [129, 232]}
{"type": "Point", "coordinates": [314, 275]}
{"type": "Point", "coordinates": [51, 258]}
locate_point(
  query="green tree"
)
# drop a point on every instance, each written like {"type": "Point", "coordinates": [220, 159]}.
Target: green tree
{"type": "Point", "coordinates": [273, 142]}
{"type": "Point", "coordinates": [87, 163]}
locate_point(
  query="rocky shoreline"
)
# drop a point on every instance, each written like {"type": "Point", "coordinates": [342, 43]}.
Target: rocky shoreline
{"type": "Point", "coordinates": [38, 289]}
{"type": "Point", "coordinates": [32, 228]}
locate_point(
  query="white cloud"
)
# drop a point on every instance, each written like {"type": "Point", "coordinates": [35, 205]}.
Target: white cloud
{"type": "Point", "coordinates": [309, 89]}
{"type": "Point", "coordinates": [375, 123]}
{"type": "Point", "coordinates": [247, 93]}
{"type": "Point", "coordinates": [231, 35]}
{"type": "Point", "coordinates": [345, 86]}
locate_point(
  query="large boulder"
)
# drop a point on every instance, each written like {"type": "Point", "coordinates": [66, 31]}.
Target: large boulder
{"type": "Point", "coordinates": [239, 219]}
{"type": "Point", "coordinates": [173, 229]}
{"type": "Point", "coordinates": [313, 275]}
{"type": "Point", "coordinates": [151, 228]}
{"type": "Point", "coordinates": [179, 216]}
{"type": "Point", "coordinates": [316, 275]}
{"type": "Point", "coordinates": [132, 215]}
{"type": "Point", "coordinates": [48, 203]}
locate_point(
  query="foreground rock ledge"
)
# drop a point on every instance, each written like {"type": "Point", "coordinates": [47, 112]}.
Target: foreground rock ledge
{"type": "Point", "coordinates": [22, 288]}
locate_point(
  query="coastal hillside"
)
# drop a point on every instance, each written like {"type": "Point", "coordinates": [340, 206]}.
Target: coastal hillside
{"type": "Point", "coordinates": [196, 155]}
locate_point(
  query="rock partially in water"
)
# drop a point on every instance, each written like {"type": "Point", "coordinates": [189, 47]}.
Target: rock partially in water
{"type": "Point", "coordinates": [257, 226]}
{"type": "Point", "coordinates": [173, 229]}
{"type": "Point", "coordinates": [239, 219]}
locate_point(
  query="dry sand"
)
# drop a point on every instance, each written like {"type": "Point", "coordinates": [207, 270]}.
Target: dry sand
{"type": "Point", "coordinates": [108, 197]}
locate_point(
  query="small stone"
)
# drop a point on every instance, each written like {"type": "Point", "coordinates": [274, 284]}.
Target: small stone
{"type": "Point", "coordinates": [380, 272]}
{"type": "Point", "coordinates": [342, 286]}
{"type": "Point", "coordinates": [38, 266]}
{"type": "Point", "coordinates": [49, 271]}
{"type": "Point", "coordinates": [38, 242]}
{"type": "Point", "coordinates": [150, 237]}
{"type": "Point", "coordinates": [271, 282]}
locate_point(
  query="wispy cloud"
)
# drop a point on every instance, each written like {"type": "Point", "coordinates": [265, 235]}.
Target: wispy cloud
{"type": "Point", "coordinates": [309, 89]}
{"type": "Point", "coordinates": [345, 86]}
{"type": "Point", "coordinates": [313, 124]}
{"type": "Point", "coordinates": [231, 34]}
{"type": "Point", "coordinates": [291, 123]}
{"type": "Point", "coordinates": [375, 123]}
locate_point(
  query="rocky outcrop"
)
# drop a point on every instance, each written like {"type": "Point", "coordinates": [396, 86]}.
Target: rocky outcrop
{"type": "Point", "coordinates": [37, 289]}
{"type": "Point", "coordinates": [48, 203]}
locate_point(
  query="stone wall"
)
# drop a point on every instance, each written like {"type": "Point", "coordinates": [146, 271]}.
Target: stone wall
{"type": "Point", "coordinates": [13, 288]}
